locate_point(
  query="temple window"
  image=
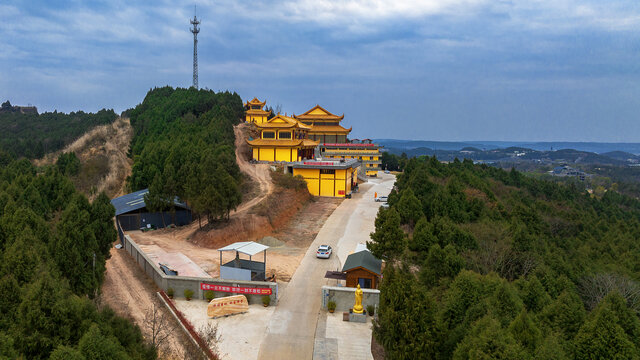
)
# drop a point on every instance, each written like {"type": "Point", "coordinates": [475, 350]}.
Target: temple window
{"type": "Point", "coordinates": [268, 135]}
{"type": "Point", "coordinates": [284, 135]}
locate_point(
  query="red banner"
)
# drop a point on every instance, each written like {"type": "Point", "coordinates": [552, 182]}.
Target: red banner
{"type": "Point", "coordinates": [349, 144]}
{"type": "Point", "coordinates": [236, 289]}
{"type": "Point", "coordinates": [320, 163]}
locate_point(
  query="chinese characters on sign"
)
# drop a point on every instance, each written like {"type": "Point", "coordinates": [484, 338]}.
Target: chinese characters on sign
{"type": "Point", "coordinates": [236, 289]}
{"type": "Point", "coordinates": [229, 305]}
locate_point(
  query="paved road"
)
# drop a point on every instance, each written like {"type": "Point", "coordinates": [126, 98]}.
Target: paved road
{"type": "Point", "coordinates": [291, 330]}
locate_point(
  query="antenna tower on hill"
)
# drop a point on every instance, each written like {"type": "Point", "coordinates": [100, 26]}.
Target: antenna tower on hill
{"type": "Point", "coordinates": [195, 30]}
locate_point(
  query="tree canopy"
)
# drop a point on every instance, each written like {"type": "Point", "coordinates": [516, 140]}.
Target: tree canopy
{"type": "Point", "coordinates": [510, 267]}
{"type": "Point", "coordinates": [53, 248]}
{"type": "Point", "coordinates": [184, 147]}
{"type": "Point", "coordinates": [32, 135]}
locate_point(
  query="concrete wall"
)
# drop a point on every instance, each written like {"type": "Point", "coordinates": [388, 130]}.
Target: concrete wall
{"type": "Point", "coordinates": [180, 283]}
{"type": "Point", "coordinates": [344, 297]}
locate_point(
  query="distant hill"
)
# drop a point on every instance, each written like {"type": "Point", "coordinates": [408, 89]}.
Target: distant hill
{"type": "Point", "coordinates": [595, 147]}
{"type": "Point", "coordinates": [622, 155]}
{"type": "Point", "coordinates": [29, 134]}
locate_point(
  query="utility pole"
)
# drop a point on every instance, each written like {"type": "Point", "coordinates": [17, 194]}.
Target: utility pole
{"type": "Point", "coordinates": [195, 30]}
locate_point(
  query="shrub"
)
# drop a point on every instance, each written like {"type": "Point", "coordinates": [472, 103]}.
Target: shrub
{"type": "Point", "coordinates": [266, 300]}
{"type": "Point", "coordinates": [209, 295]}
{"type": "Point", "coordinates": [331, 305]}
{"type": "Point", "coordinates": [370, 310]}
{"type": "Point", "coordinates": [170, 292]}
{"type": "Point", "coordinates": [188, 293]}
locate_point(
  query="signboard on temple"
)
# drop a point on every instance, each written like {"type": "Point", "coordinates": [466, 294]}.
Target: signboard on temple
{"type": "Point", "coordinates": [228, 305]}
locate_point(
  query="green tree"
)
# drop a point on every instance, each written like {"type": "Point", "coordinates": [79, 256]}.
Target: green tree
{"type": "Point", "coordinates": [388, 239]}
{"type": "Point", "coordinates": [407, 312]}
{"type": "Point", "coordinates": [75, 248]}
{"type": "Point", "coordinates": [487, 340]}
{"type": "Point", "coordinates": [422, 238]}
{"type": "Point", "coordinates": [95, 345]}
{"type": "Point", "coordinates": [409, 208]}
{"type": "Point", "coordinates": [602, 338]}
{"type": "Point", "coordinates": [66, 353]}
{"type": "Point", "coordinates": [440, 263]}
{"type": "Point", "coordinates": [525, 331]}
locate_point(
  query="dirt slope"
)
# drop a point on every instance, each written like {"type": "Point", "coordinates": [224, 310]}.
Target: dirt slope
{"type": "Point", "coordinates": [103, 154]}
{"type": "Point", "coordinates": [258, 172]}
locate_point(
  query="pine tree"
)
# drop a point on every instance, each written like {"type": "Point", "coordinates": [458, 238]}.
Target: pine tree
{"type": "Point", "coordinates": [388, 239]}
{"type": "Point", "coordinates": [409, 208]}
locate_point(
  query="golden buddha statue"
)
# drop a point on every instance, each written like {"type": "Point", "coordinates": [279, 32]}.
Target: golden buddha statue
{"type": "Point", "coordinates": [357, 308]}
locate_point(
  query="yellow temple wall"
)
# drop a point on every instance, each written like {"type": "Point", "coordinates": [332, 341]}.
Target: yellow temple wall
{"type": "Point", "coordinates": [283, 154]}
{"type": "Point", "coordinates": [258, 119]}
{"type": "Point", "coordinates": [332, 185]}
{"type": "Point", "coordinates": [266, 154]}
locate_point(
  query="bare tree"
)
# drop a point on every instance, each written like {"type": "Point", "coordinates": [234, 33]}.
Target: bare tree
{"type": "Point", "coordinates": [158, 327]}
{"type": "Point", "coordinates": [209, 333]}
{"type": "Point", "coordinates": [594, 288]}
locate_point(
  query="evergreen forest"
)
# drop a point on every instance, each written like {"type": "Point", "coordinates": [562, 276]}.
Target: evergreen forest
{"type": "Point", "coordinates": [483, 263]}
{"type": "Point", "coordinates": [53, 248]}
{"type": "Point", "coordinates": [183, 147]}
{"type": "Point", "coordinates": [32, 135]}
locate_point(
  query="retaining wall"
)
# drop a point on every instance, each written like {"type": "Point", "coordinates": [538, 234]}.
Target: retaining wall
{"type": "Point", "coordinates": [181, 283]}
{"type": "Point", "coordinates": [344, 297]}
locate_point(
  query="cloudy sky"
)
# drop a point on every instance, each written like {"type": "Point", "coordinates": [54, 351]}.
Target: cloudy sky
{"type": "Point", "coordinates": [524, 70]}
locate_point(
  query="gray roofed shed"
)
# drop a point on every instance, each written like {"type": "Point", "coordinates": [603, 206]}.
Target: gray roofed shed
{"type": "Point", "coordinates": [363, 259]}
{"type": "Point", "coordinates": [135, 201]}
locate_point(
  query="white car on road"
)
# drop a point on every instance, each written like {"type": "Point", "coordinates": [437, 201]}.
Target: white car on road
{"type": "Point", "coordinates": [324, 251]}
{"type": "Point", "coordinates": [382, 199]}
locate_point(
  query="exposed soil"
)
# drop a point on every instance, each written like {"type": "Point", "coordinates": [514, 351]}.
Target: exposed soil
{"type": "Point", "coordinates": [282, 261]}
{"type": "Point", "coordinates": [377, 351]}
{"type": "Point", "coordinates": [131, 294]}
{"type": "Point", "coordinates": [257, 172]}
{"type": "Point", "coordinates": [102, 152]}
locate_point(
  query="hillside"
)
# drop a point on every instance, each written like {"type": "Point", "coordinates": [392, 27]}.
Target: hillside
{"type": "Point", "coordinates": [183, 146]}
{"type": "Point", "coordinates": [104, 163]}
{"type": "Point", "coordinates": [33, 135]}
{"type": "Point", "coordinates": [484, 263]}
{"type": "Point", "coordinates": [53, 248]}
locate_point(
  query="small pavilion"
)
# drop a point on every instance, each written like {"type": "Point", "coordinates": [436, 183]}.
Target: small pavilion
{"type": "Point", "coordinates": [243, 269]}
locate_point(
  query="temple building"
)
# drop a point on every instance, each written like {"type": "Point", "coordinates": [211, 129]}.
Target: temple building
{"type": "Point", "coordinates": [325, 126]}
{"type": "Point", "coordinates": [364, 151]}
{"type": "Point", "coordinates": [327, 178]}
{"type": "Point", "coordinates": [254, 112]}
{"type": "Point", "coordinates": [282, 138]}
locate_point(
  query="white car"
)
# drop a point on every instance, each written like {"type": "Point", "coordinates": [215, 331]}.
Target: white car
{"type": "Point", "coordinates": [324, 251]}
{"type": "Point", "coordinates": [382, 199]}
{"type": "Point", "coordinates": [385, 205]}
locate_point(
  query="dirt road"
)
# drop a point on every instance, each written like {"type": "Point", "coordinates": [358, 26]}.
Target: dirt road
{"type": "Point", "coordinates": [131, 294]}
{"type": "Point", "coordinates": [291, 330]}
{"type": "Point", "coordinates": [258, 172]}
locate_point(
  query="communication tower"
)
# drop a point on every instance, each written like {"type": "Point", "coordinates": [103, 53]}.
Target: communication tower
{"type": "Point", "coordinates": [195, 30]}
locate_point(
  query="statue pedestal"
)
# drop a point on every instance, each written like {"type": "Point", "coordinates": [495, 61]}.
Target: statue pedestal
{"type": "Point", "coordinates": [361, 318]}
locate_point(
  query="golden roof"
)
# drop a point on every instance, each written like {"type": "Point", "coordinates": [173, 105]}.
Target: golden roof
{"type": "Point", "coordinates": [258, 112]}
{"type": "Point", "coordinates": [283, 143]}
{"type": "Point", "coordinates": [318, 113]}
{"type": "Point", "coordinates": [329, 129]}
{"type": "Point", "coordinates": [255, 101]}
{"type": "Point", "coordinates": [281, 121]}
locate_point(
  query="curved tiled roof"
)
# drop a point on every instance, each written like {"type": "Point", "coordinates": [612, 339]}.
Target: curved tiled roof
{"type": "Point", "coordinates": [326, 116]}
{"type": "Point", "coordinates": [282, 143]}
{"type": "Point", "coordinates": [255, 101]}
{"type": "Point", "coordinates": [329, 128]}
